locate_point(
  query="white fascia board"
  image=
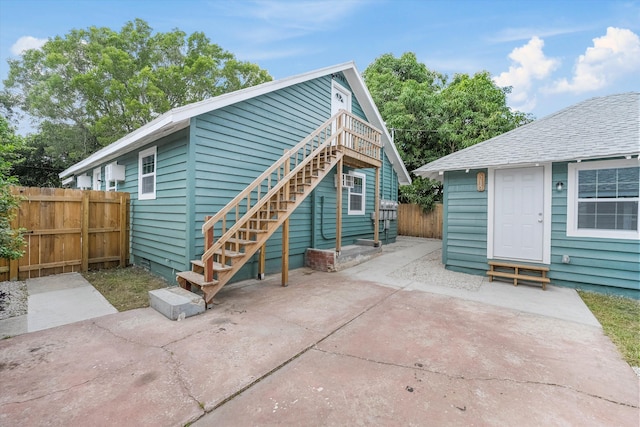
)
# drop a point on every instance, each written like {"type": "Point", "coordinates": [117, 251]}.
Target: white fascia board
{"type": "Point", "coordinates": [123, 145]}
{"type": "Point", "coordinates": [431, 170]}
{"type": "Point", "coordinates": [373, 115]}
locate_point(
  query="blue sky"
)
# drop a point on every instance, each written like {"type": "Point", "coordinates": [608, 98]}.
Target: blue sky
{"type": "Point", "coordinates": [553, 52]}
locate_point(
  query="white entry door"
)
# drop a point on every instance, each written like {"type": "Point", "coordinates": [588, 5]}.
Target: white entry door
{"type": "Point", "coordinates": [340, 100]}
{"type": "Point", "coordinates": [519, 214]}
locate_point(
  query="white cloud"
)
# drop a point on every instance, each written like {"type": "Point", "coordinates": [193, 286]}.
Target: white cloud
{"type": "Point", "coordinates": [529, 64]}
{"type": "Point", "coordinates": [25, 43]}
{"type": "Point", "coordinates": [613, 55]}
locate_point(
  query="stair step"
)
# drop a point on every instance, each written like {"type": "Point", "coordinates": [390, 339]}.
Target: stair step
{"type": "Point", "coordinates": [241, 241]}
{"type": "Point", "coordinates": [229, 253]}
{"type": "Point", "coordinates": [221, 267]}
{"type": "Point", "coordinates": [254, 230]}
{"type": "Point", "coordinates": [216, 265]}
{"type": "Point", "coordinates": [196, 278]}
{"type": "Point", "coordinates": [263, 219]}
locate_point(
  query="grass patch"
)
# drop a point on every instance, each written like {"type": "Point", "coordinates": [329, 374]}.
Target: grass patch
{"type": "Point", "coordinates": [125, 288]}
{"type": "Point", "coordinates": [620, 320]}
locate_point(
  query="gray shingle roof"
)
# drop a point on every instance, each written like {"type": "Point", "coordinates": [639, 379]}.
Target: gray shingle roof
{"type": "Point", "coordinates": [603, 127]}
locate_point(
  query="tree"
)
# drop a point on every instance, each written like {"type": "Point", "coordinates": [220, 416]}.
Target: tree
{"type": "Point", "coordinates": [11, 241]}
{"type": "Point", "coordinates": [93, 86]}
{"type": "Point", "coordinates": [431, 116]}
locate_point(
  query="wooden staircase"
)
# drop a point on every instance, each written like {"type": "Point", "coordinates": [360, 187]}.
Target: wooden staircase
{"type": "Point", "coordinates": [239, 230]}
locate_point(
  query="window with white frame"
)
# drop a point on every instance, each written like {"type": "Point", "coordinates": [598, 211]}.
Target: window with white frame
{"type": "Point", "coordinates": [147, 161]}
{"type": "Point", "coordinates": [357, 194]}
{"type": "Point", "coordinates": [603, 199]}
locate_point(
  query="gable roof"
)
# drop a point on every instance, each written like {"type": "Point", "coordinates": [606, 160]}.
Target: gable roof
{"type": "Point", "coordinates": [179, 118]}
{"type": "Point", "coordinates": [597, 128]}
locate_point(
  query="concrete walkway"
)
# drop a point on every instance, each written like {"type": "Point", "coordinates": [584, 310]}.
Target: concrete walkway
{"type": "Point", "coordinates": [366, 346]}
{"type": "Point", "coordinates": [57, 300]}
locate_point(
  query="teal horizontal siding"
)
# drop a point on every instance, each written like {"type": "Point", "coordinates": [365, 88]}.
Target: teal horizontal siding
{"type": "Point", "coordinates": [609, 265]}
{"type": "Point", "coordinates": [464, 244]}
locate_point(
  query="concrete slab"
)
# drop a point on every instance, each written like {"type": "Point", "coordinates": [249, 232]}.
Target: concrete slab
{"type": "Point", "coordinates": [62, 299]}
{"type": "Point", "coordinates": [176, 303]}
{"type": "Point", "coordinates": [419, 359]}
{"type": "Point", "coordinates": [13, 326]}
{"type": "Point", "coordinates": [329, 349]}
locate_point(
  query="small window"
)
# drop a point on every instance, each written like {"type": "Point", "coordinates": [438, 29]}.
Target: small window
{"type": "Point", "coordinates": [147, 174]}
{"type": "Point", "coordinates": [604, 200]}
{"type": "Point", "coordinates": [356, 194]}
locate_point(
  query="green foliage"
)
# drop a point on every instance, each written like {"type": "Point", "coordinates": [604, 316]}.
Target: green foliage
{"type": "Point", "coordinates": [11, 241]}
{"type": "Point", "coordinates": [10, 143]}
{"type": "Point", "coordinates": [95, 85]}
{"type": "Point", "coordinates": [422, 191]}
{"type": "Point", "coordinates": [36, 165]}
{"type": "Point", "coordinates": [431, 116]}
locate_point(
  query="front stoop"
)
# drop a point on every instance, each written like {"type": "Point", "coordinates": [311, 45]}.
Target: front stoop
{"type": "Point", "coordinates": [176, 303]}
{"type": "Point", "coordinates": [328, 260]}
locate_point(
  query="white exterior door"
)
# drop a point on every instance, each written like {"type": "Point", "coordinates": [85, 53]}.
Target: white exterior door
{"type": "Point", "coordinates": [519, 214]}
{"type": "Point", "coordinates": [340, 100]}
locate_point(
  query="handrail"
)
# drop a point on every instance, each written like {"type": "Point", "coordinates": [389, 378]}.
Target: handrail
{"type": "Point", "coordinates": [342, 129]}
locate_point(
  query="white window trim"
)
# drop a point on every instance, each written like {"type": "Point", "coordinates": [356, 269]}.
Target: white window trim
{"type": "Point", "coordinates": [150, 151]}
{"type": "Point", "coordinates": [572, 200]}
{"type": "Point", "coordinates": [97, 179]}
{"type": "Point", "coordinates": [364, 194]}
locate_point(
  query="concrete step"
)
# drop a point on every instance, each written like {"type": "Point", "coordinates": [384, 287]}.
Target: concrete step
{"type": "Point", "coordinates": [176, 303]}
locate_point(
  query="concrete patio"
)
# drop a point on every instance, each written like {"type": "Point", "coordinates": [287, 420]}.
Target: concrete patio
{"type": "Point", "coordinates": [394, 341]}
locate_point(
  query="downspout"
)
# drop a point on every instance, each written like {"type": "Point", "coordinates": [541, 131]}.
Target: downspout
{"type": "Point", "coordinates": [322, 220]}
{"type": "Point", "coordinates": [313, 219]}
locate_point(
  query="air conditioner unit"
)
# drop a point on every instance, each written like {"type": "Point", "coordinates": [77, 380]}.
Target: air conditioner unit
{"type": "Point", "coordinates": [83, 181]}
{"type": "Point", "coordinates": [347, 180]}
{"type": "Point", "coordinates": [114, 172]}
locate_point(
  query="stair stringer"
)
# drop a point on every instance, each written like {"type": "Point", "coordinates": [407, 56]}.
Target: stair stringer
{"type": "Point", "coordinates": [255, 245]}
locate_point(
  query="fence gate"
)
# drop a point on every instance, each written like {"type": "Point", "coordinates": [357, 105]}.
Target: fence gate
{"type": "Point", "coordinates": [69, 230]}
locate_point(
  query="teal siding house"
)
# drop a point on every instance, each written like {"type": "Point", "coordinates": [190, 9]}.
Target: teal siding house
{"type": "Point", "coordinates": [302, 162]}
{"type": "Point", "coordinates": [561, 192]}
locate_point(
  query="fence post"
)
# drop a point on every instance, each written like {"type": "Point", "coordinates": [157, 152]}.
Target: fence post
{"type": "Point", "coordinates": [84, 231]}
{"type": "Point", "coordinates": [14, 263]}
{"type": "Point", "coordinates": [123, 230]}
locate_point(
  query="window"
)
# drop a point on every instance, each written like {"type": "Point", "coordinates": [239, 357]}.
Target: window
{"type": "Point", "coordinates": [356, 194]}
{"type": "Point", "coordinates": [97, 179]}
{"type": "Point", "coordinates": [147, 174]}
{"type": "Point", "coordinates": [603, 199]}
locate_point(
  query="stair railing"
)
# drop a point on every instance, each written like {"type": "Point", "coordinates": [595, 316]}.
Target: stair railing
{"type": "Point", "coordinates": [341, 130]}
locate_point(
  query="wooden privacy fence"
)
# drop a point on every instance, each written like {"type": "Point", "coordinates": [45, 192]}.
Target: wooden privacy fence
{"type": "Point", "coordinates": [69, 230]}
{"type": "Point", "coordinates": [412, 221]}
